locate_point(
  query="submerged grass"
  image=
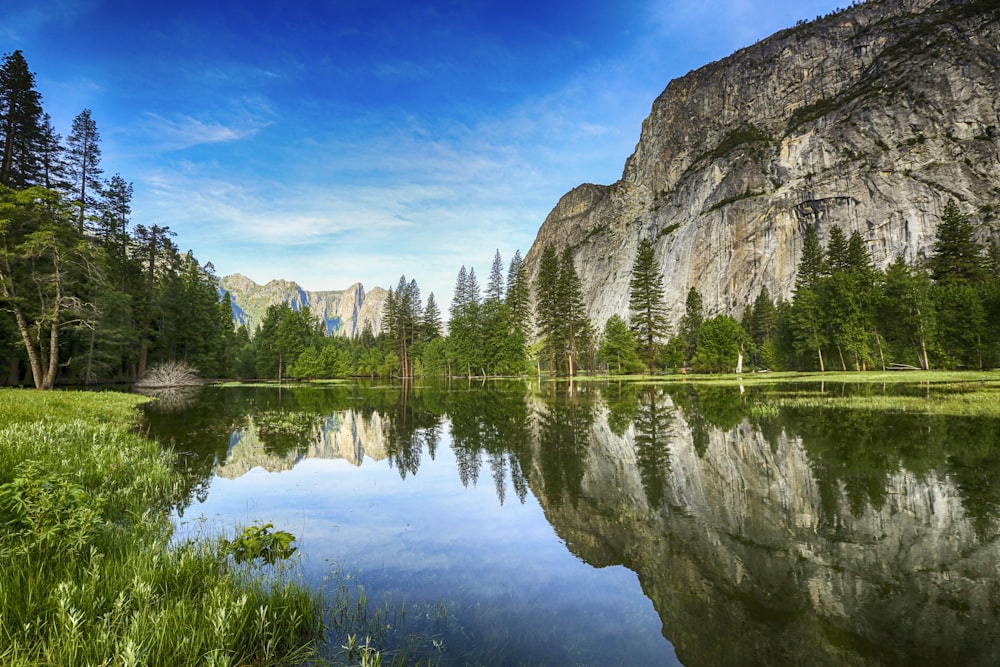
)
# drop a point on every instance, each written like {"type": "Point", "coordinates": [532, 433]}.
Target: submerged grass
{"type": "Point", "coordinates": [87, 574]}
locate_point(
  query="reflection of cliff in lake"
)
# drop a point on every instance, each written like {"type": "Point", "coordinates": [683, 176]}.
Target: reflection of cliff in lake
{"type": "Point", "coordinates": [348, 435]}
{"type": "Point", "coordinates": [752, 556]}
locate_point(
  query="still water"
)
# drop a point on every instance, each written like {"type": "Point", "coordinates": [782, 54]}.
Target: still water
{"type": "Point", "coordinates": [508, 524]}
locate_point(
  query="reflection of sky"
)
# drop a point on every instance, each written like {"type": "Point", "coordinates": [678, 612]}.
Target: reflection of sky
{"type": "Point", "coordinates": [429, 539]}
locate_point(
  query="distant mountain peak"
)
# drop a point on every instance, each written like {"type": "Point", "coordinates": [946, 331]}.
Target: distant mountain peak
{"type": "Point", "coordinates": [344, 312]}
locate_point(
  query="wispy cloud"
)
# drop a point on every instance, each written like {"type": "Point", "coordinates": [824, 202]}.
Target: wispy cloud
{"type": "Point", "coordinates": [185, 131]}
{"type": "Point", "coordinates": [20, 18]}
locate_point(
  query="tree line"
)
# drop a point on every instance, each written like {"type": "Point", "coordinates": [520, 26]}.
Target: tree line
{"type": "Point", "coordinates": [844, 314]}
{"type": "Point", "coordinates": [86, 295]}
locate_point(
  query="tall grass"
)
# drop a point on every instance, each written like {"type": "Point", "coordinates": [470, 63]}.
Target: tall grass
{"type": "Point", "coordinates": [87, 572]}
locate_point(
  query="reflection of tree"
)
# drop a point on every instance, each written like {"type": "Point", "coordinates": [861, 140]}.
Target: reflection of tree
{"type": "Point", "coordinates": [490, 420]}
{"type": "Point", "coordinates": [622, 406]}
{"type": "Point", "coordinates": [975, 467]}
{"type": "Point", "coordinates": [409, 428]}
{"type": "Point", "coordinates": [652, 444]}
{"type": "Point", "coordinates": [854, 453]}
{"type": "Point", "coordinates": [564, 425]}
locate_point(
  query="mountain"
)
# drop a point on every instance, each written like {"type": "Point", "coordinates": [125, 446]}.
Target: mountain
{"type": "Point", "coordinates": [869, 119]}
{"type": "Point", "coordinates": [345, 312]}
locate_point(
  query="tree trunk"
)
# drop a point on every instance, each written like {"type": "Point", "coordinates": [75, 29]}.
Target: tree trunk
{"type": "Point", "coordinates": [50, 374]}
{"type": "Point", "coordinates": [819, 352]}
{"type": "Point", "coordinates": [140, 371]}
{"type": "Point", "coordinates": [29, 347]}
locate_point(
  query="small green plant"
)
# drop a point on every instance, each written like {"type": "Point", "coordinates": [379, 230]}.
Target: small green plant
{"type": "Point", "coordinates": [49, 514]}
{"type": "Point", "coordinates": [260, 543]}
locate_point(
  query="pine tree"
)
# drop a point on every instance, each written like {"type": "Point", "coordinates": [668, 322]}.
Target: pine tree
{"type": "Point", "coordinates": [906, 313]}
{"type": "Point", "coordinates": [958, 259]}
{"type": "Point", "coordinates": [812, 264]}
{"type": "Point", "coordinates": [547, 304]}
{"type": "Point", "coordinates": [646, 303]}
{"type": "Point", "coordinates": [574, 324]}
{"type": "Point", "coordinates": [691, 322]}
{"type": "Point", "coordinates": [115, 207]}
{"type": "Point", "coordinates": [431, 323]}
{"type": "Point", "coordinates": [494, 288]}
{"type": "Point", "coordinates": [618, 346]}
{"type": "Point", "coordinates": [20, 123]}
{"type": "Point", "coordinates": [84, 153]}
{"type": "Point", "coordinates": [519, 294]}
{"type": "Point", "coordinates": [402, 322]}
{"type": "Point", "coordinates": [807, 314]}
{"type": "Point", "coordinates": [837, 251]}
{"type": "Point", "coordinates": [464, 331]}
{"type": "Point", "coordinates": [51, 156]}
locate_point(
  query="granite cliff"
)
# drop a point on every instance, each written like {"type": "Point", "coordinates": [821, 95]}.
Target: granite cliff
{"type": "Point", "coordinates": [345, 312]}
{"type": "Point", "coordinates": [870, 119]}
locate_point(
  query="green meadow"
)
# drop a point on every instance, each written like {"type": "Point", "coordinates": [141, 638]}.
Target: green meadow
{"type": "Point", "coordinates": [88, 572]}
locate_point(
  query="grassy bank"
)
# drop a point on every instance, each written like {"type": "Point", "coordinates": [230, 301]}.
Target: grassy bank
{"type": "Point", "coordinates": [87, 576]}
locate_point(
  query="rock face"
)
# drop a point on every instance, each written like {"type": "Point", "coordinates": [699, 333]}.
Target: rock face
{"type": "Point", "coordinates": [870, 119]}
{"type": "Point", "coordinates": [345, 312]}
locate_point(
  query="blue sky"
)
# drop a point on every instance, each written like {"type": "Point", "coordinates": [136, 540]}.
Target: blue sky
{"type": "Point", "coordinates": [357, 140]}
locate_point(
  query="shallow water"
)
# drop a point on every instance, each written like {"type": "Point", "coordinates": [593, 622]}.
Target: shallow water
{"type": "Point", "coordinates": [598, 524]}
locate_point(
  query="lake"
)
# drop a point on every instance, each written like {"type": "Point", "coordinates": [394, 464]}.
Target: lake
{"type": "Point", "coordinates": [595, 524]}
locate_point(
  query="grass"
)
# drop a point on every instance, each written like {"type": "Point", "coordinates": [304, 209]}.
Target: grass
{"type": "Point", "coordinates": [87, 572]}
{"type": "Point", "coordinates": [956, 393]}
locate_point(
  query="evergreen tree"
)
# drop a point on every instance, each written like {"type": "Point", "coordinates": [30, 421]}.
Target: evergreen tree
{"type": "Point", "coordinates": [112, 232]}
{"type": "Point", "coordinates": [618, 347]}
{"type": "Point", "coordinates": [547, 304]}
{"type": "Point", "coordinates": [20, 123]}
{"type": "Point", "coordinates": [519, 294]}
{"type": "Point", "coordinates": [812, 264]}
{"type": "Point", "coordinates": [574, 325]}
{"type": "Point", "coordinates": [646, 303]}
{"type": "Point", "coordinates": [807, 314]}
{"type": "Point", "coordinates": [961, 324]}
{"type": "Point", "coordinates": [431, 324]}
{"type": "Point", "coordinates": [44, 265]}
{"type": "Point", "coordinates": [282, 337]}
{"type": "Point", "coordinates": [84, 164]}
{"type": "Point", "coordinates": [495, 286]}
{"type": "Point", "coordinates": [464, 331]}
{"type": "Point", "coordinates": [837, 258]}
{"type": "Point", "coordinates": [906, 314]}
{"type": "Point", "coordinates": [51, 156]}
{"type": "Point", "coordinates": [690, 323]}
{"type": "Point", "coordinates": [763, 329]}
{"type": "Point", "coordinates": [958, 258]}
{"type": "Point", "coordinates": [401, 322]}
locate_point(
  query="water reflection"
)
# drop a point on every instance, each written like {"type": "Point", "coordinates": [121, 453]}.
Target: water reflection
{"type": "Point", "coordinates": [799, 536]}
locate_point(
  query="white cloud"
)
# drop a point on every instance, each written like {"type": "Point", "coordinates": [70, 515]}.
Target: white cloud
{"type": "Point", "coordinates": [184, 131]}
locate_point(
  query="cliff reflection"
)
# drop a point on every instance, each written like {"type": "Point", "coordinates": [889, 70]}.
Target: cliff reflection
{"type": "Point", "coordinates": [811, 537]}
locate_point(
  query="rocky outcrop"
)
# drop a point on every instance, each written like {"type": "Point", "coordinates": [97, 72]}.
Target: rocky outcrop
{"type": "Point", "coordinates": [345, 312]}
{"type": "Point", "coordinates": [870, 119]}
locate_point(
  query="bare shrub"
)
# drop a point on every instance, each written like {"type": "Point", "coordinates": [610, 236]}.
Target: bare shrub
{"type": "Point", "coordinates": [169, 374]}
